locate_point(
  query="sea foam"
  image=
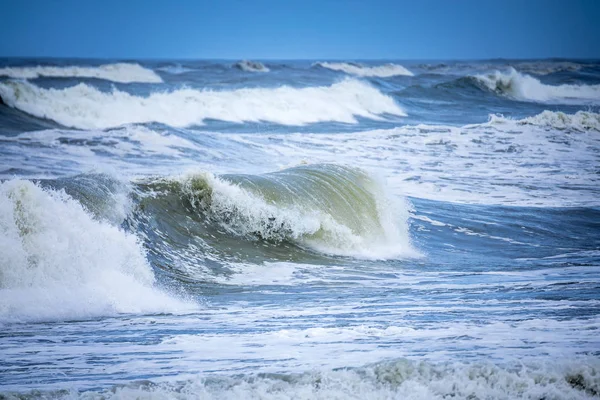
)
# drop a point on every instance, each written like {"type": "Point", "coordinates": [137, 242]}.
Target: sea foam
{"type": "Point", "coordinates": [59, 263]}
{"type": "Point", "coordinates": [120, 72]}
{"type": "Point", "coordinates": [83, 106]}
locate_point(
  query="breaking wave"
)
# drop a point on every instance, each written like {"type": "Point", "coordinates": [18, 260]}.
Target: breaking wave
{"type": "Point", "coordinates": [58, 262]}
{"type": "Point", "coordinates": [251, 66]}
{"type": "Point", "coordinates": [525, 87]}
{"type": "Point", "coordinates": [381, 71]}
{"type": "Point", "coordinates": [120, 72]}
{"type": "Point", "coordinates": [328, 208]}
{"type": "Point", "coordinates": [580, 121]}
{"type": "Point", "coordinates": [398, 379]}
{"type": "Point", "coordinates": [85, 107]}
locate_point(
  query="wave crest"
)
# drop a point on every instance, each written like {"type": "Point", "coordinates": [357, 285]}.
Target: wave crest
{"type": "Point", "coordinates": [525, 87]}
{"type": "Point", "coordinates": [58, 262]}
{"type": "Point", "coordinates": [120, 72]}
{"type": "Point", "coordinates": [329, 208]}
{"type": "Point", "coordinates": [85, 107]}
{"type": "Point", "coordinates": [381, 71]}
{"type": "Point", "coordinates": [251, 66]}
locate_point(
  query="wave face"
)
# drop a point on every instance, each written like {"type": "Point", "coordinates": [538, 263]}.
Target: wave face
{"type": "Point", "coordinates": [120, 72]}
{"type": "Point", "coordinates": [251, 66]}
{"type": "Point", "coordinates": [85, 107]}
{"type": "Point", "coordinates": [525, 87]}
{"type": "Point", "coordinates": [58, 262]}
{"type": "Point", "coordinates": [381, 71]}
{"type": "Point", "coordinates": [328, 208]}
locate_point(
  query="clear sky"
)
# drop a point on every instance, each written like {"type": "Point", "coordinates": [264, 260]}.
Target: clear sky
{"type": "Point", "coordinates": [307, 29]}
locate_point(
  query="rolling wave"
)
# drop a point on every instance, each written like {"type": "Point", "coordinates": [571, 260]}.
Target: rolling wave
{"type": "Point", "coordinates": [120, 72]}
{"type": "Point", "coordinates": [251, 66]}
{"type": "Point", "coordinates": [85, 107]}
{"type": "Point", "coordinates": [60, 263]}
{"type": "Point", "coordinates": [381, 71]}
{"type": "Point", "coordinates": [524, 87]}
{"type": "Point", "coordinates": [328, 208]}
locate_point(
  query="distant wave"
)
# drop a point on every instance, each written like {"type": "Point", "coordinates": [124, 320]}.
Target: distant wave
{"type": "Point", "coordinates": [525, 87]}
{"type": "Point", "coordinates": [381, 71]}
{"type": "Point", "coordinates": [83, 106]}
{"type": "Point", "coordinates": [580, 121]}
{"type": "Point", "coordinates": [121, 72]}
{"type": "Point", "coordinates": [251, 66]}
{"type": "Point", "coordinates": [176, 69]}
{"type": "Point", "coordinates": [60, 262]}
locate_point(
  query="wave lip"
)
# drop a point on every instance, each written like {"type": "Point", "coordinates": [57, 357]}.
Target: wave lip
{"type": "Point", "coordinates": [85, 107]}
{"type": "Point", "coordinates": [580, 121]}
{"type": "Point", "coordinates": [251, 66]}
{"type": "Point", "coordinates": [381, 71]}
{"type": "Point", "coordinates": [120, 72]}
{"type": "Point", "coordinates": [60, 263]}
{"type": "Point", "coordinates": [329, 208]}
{"type": "Point", "coordinates": [525, 87]}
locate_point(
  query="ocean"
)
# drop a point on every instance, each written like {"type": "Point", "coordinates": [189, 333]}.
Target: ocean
{"type": "Point", "coordinates": [180, 229]}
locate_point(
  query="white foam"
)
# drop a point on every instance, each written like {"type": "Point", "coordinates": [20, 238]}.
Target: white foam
{"type": "Point", "coordinates": [246, 213]}
{"type": "Point", "coordinates": [58, 263]}
{"type": "Point", "coordinates": [380, 71]}
{"type": "Point", "coordinates": [120, 72]}
{"type": "Point", "coordinates": [398, 379]}
{"type": "Point", "coordinates": [525, 87]}
{"type": "Point", "coordinates": [580, 121]}
{"type": "Point", "coordinates": [538, 161]}
{"type": "Point", "coordinates": [86, 107]}
{"type": "Point", "coordinates": [251, 66]}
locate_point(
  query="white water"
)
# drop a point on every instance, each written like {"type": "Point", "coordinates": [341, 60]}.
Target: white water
{"type": "Point", "coordinates": [58, 263]}
{"type": "Point", "coordinates": [86, 107]}
{"type": "Point", "coordinates": [120, 72]}
{"type": "Point", "coordinates": [525, 87]}
{"type": "Point", "coordinates": [245, 213]}
{"type": "Point", "coordinates": [381, 71]}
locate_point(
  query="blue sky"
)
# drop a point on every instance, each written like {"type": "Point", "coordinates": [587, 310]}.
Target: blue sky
{"type": "Point", "coordinates": [308, 29]}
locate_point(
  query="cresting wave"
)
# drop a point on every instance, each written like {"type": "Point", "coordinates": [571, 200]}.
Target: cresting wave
{"type": "Point", "coordinates": [251, 66]}
{"type": "Point", "coordinates": [120, 72]}
{"type": "Point", "coordinates": [398, 379]}
{"type": "Point", "coordinates": [525, 87]}
{"type": "Point", "coordinates": [381, 71]}
{"type": "Point", "coordinates": [329, 208]}
{"type": "Point", "coordinates": [60, 263]}
{"type": "Point", "coordinates": [580, 121]}
{"type": "Point", "coordinates": [85, 107]}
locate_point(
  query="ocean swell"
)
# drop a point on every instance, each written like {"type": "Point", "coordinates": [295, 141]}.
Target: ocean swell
{"type": "Point", "coordinates": [85, 107]}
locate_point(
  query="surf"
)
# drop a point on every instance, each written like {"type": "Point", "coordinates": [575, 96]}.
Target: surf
{"type": "Point", "coordinates": [120, 72]}
{"type": "Point", "coordinates": [61, 262]}
{"type": "Point", "coordinates": [525, 87]}
{"type": "Point", "coordinates": [85, 107]}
